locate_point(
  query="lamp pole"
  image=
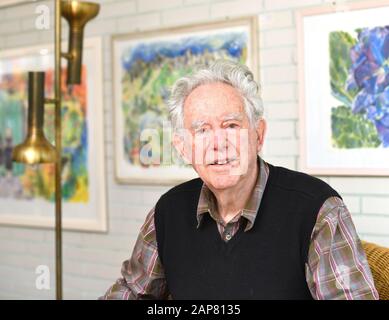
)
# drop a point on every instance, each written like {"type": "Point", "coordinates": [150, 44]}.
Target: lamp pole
{"type": "Point", "coordinates": [58, 146]}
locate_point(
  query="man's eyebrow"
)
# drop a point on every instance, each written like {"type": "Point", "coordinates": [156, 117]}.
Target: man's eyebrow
{"type": "Point", "coordinates": [197, 123]}
{"type": "Point", "coordinates": [233, 116]}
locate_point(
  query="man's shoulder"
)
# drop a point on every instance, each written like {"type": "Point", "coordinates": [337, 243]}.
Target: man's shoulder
{"type": "Point", "coordinates": [191, 187]}
{"type": "Point", "coordinates": [301, 182]}
{"type": "Point", "coordinates": [179, 197]}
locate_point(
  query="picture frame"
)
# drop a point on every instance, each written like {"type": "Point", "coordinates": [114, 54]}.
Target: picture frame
{"type": "Point", "coordinates": [145, 66]}
{"type": "Point", "coordinates": [343, 100]}
{"type": "Point", "coordinates": [27, 192]}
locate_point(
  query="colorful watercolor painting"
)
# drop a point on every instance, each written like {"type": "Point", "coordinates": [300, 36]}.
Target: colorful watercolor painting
{"type": "Point", "coordinates": [31, 188]}
{"type": "Point", "coordinates": [344, 97]}
{"type": "Point", "coordinates": [25, 182]}
{"type": "Point", "coordinates": [145, 69]}
{"type": "Point", "coordinates": [360, 82]}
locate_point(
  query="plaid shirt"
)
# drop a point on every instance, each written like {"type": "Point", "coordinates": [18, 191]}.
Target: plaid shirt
{"type": "Point", "coordinates": [336, 267]}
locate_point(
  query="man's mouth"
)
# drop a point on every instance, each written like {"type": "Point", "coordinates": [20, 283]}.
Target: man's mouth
{"type": "Point", "coordinates": [222, 162]}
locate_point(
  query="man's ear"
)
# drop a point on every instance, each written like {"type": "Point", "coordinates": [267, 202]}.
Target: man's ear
{"type": "Point", "coordinates": [180, 143]}
{"type": "Point", "coordinates": [261, 132]}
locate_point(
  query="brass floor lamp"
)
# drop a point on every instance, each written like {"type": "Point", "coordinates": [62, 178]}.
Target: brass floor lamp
{"type": "Point", "coordinates": [36, 148]}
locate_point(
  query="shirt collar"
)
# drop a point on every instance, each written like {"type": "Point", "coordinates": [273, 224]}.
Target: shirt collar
{"type": "Point", "coordinates": [207, 201]}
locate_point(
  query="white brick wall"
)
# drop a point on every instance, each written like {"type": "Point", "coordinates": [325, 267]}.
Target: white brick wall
{"type": "Point", "coordinates": [279, 74]}
{"type": "Point", "coordinates": [221, 9]}
{"type": "Point", "coordinates": [276, 20]}
{"type": "Point", "coordinates": [375, 205]}
{"type": "Point", "coordinates": [279, 37]}
{"type": "Point", "coordinates": [280, 129]}
{"type": "Point", "coordinates": [287, 4]}
{"type": "Point", "coordinates": [92, 261]}
{"type": "Point", "coordinates": [151, 5]}
{"type": "Point", "coordinates": [187, 15]}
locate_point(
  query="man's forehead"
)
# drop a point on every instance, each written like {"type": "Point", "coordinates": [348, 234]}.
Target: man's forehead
{"type": "Point", "coordinates": [233, 116]}
{"type": "Point", "coordinates": [225, 117]}
{"type": "Point", "coordinates": [213, 101]}
{"type": "Point", "coordinates": [213, 94]}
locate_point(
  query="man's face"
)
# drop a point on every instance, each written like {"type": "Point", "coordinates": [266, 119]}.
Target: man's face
{"type": "Point", "coordinates": [223, 145]}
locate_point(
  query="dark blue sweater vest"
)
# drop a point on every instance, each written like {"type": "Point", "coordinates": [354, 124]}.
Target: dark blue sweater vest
{"type": "Point", "coordinates": [266, 262]}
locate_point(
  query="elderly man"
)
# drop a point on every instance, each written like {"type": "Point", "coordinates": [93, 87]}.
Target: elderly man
{"type": "Point", "coordinates": [245, 229]}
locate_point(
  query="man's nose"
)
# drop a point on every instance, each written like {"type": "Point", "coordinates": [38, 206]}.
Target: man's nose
{"type": "Point", "coordinates": [219, 139]}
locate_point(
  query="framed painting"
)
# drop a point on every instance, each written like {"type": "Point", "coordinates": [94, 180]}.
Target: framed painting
{"type": "Point", "coordinates": [27, 192]}
{"type": "Point", "coordinates": [344, 89]}
{"type": "Point", "coordinates": [145, 66]}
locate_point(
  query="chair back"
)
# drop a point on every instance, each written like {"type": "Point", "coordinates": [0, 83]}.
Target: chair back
{"type": "Point", "coordinates": [378, 258]}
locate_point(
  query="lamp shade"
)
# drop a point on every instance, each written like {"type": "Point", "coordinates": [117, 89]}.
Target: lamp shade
{"type": "Point", "coordinates": [77, 14]}
{"type": "Point", "coordinates": [35, 148]}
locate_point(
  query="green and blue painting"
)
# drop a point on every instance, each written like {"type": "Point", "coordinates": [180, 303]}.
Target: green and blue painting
{"type": "Point", "coordinates": [359, 73]}
{"type": "Point", "coordinates": [150, 68]}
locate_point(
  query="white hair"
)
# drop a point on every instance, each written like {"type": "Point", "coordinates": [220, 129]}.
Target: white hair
{"type": "Point", "coordinates": [237, 75]}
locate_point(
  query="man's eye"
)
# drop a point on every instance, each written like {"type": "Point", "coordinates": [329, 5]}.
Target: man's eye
{"type": "Point", "coordinates": [201, 131]}
{"type": "Point", "coordinates": [232, 126]}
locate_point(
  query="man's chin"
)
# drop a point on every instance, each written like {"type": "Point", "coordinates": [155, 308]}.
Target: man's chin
{"type": "Point", "coordinates": [222, 182]}
{"type": "Point", "coordinates": [219, 177]}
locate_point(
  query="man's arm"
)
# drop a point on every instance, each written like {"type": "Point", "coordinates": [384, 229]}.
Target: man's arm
{"type": "Point", "coordinates": [337, 267]}
{"type": "Point", "coordinates": [143, 274]}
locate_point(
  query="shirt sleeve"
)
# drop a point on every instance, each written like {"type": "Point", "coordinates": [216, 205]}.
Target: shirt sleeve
{"type": "Point", "coordinates": [142, 275]}
{"type": "Point", "coordinates": [337, 268]}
